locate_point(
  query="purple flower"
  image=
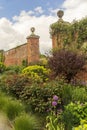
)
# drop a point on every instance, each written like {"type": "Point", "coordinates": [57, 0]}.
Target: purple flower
{"type": "Point", "coordinates": [54, 103]}
{"type": "Point", "coordinates": [55, 98]}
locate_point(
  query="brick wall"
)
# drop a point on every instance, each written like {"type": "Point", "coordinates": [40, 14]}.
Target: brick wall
{"type": "Point", "coordinates": [16, 55]}
{"type": "Point", "coordinates": [28, 51]}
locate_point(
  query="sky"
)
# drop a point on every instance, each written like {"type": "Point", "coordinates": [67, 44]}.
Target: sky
{"type": "Point", "coordinates": [18, 16]}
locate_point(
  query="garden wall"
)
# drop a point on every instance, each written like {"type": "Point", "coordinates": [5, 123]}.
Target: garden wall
{"type": "Point", "coordinates": [16, 55]}
{"type": "Point", "coordinates": [27, 52]}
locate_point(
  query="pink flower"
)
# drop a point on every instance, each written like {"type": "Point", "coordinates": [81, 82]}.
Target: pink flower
{"type": "Point", "coordinates": [55, 98]}
{"type": "Point", "coordinates": [54, 103]}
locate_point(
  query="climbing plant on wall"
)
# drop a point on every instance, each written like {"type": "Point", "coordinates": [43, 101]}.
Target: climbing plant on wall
{"type": "Point", "coordinates": [1, 56]}
{"type": "Point", "coordinates": [75, 32]}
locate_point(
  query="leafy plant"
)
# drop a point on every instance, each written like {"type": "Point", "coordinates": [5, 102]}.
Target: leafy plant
{"type": "Point", "coordinates": [14, 84]}
{"type": "Point", "coordinates": [74, 33]}
{"type": "Point", "coordinates": [82, 126]}
{"type": "Point", "coordinates": [73, 114]}
{"type": "Point", "coordinates": [52, 119]}
{"type": "Point", "coordinates": [14, 69]}
{"type": "Point", "coordinates": [37, 73]}
{"type": "Point", "coordinates": [39, 96]}
{"type": "Point", "coordinates": [2, 67]}
{"type": "Point", "coordinates": [79, 94]}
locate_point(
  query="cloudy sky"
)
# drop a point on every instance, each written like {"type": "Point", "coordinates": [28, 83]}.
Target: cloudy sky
{"type": "Point", "coordinates": [18, 16]}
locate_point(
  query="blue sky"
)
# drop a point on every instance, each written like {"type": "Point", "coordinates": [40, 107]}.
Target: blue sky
{"type": "Point", "coordinates": [18, 16]}
{"type": "Point", "coordinates": [9, 8]}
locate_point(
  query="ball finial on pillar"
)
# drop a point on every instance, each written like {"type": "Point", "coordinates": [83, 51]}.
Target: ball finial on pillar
{"type": "Point", "coordinates": [32, 30]}
{"type": "Point", "coordinates": [60, 14]}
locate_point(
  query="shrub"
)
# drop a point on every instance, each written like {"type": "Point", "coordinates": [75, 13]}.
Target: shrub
{"type": "Point", "coordinates": [26, 122]}
{"type": "Point", "coordinates": [66, 94]}
{"type": "Point", "coordinates": [53, 119]}
{"type": "Point", "coordinates": [79, 94]}
{"type": "Point", "coordinates": [13, 69]}
{"type": "Point", "coordinates": [66, 63]}
{"type": "Point", "coordinates": [2, 67]}
{"type": "Point", "coordinates": [39, 96]}
{"type": "Point", "coordinates": [37, 73]}
{"type": "Point", "coordinates": [82, 126]}
{"type": "Point", "coordinates": [14, 84]}
{"type": "Point", "coordinates": [73, 114]}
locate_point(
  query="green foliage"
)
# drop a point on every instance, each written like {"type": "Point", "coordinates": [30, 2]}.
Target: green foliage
{"type": "Point", "coordinates": [82, 33]}
{"type": "Point", "coordinates": [73, 114]}
{"type": "Point", "coordinates": [61, 29]}
{"type": "Point", "coordinates": [36, 73]}
{"type": "Point", "coordinates": [26, 122]}
{"type": "Point", "coordinates": [14, 84]}
{"type": "Point", "coordinates": [52, 123]}
{"type": "Point", "coordinates": [82, 126]}
{"type": "Point", "coordinates": [66, 94]}
{"type": "Point", "coordinates": [66, 63]}
{"type": "Point", "coordinates": [79, 94]}
{"type": "Point", "coordinates": [14, 69]}
{"type": "Point", "coordinates": [73, 93]}
{"type": "Point", "coordinates": [39, 96]}
{"type": "Point", "coordinates": [13, 109]}
{"type": "Point", "coordinates": [2, 67]}
{"type": "Point", "coordinates": [76, 32]}
{"type": "Point", "coordinates": [25, 63]}
{"type": "Point", "coordinates": [53, 119]}
{"type": "Point", "coordinates": [1, 55]}
{"type": "Point", "coordinates": [3, 101]}
{"type": "Point", "coordinates": [9, 107]}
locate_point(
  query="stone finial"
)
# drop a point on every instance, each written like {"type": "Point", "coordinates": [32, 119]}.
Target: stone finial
{"type": "Point", "coordinates": [32, 30]}
{"type": "Point", "coordinates": [33, 35]}
{"type": "Point", "coordinates": [60, 14]}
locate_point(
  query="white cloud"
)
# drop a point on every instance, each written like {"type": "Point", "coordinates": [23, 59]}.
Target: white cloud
{"type": "Point", "coordinates": [39, 10]}
{"type": "Point", "coordinates": [13, 33]}
{"type": "Point", "coordinates": [8, 36]}
{"type": "Point", "coordinates": [41, 25]}
{"type": "Point", "coordinates": [74, 9]}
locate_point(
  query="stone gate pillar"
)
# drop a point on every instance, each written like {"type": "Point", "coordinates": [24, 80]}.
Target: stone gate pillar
{"type": "Point", "coordinates": [33, 47]}
{"type": "Point", "coordinates": [57, 39]}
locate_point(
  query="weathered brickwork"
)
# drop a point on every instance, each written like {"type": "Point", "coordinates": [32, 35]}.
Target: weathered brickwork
{"type": "Point", "coordinates": [16, 55]}
{"type": "Point", "coordinates": [28, 51]}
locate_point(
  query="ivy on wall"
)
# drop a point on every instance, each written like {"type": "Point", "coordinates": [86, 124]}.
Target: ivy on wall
{"type": "Point", "coordinates": [1, 56]}
{"type": "Point", "coordinates": [70, 32]}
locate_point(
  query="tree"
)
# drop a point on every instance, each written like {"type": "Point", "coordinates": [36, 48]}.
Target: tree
{"type": "Point", "coordinates": [66, 63]}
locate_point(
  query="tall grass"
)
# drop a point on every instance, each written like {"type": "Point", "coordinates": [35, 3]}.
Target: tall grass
{"type": "Point", "coordinates": [26, 122]}
{"type": "Point", "coordinates": [13, 109]}
{"type": "Point", "coordinates": [10, 107]}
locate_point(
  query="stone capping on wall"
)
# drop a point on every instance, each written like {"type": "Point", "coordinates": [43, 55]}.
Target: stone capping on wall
{"type": "Point", "coordinates": [15, 47]}
{"type": "Point", "coordinates": [33, 36]}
